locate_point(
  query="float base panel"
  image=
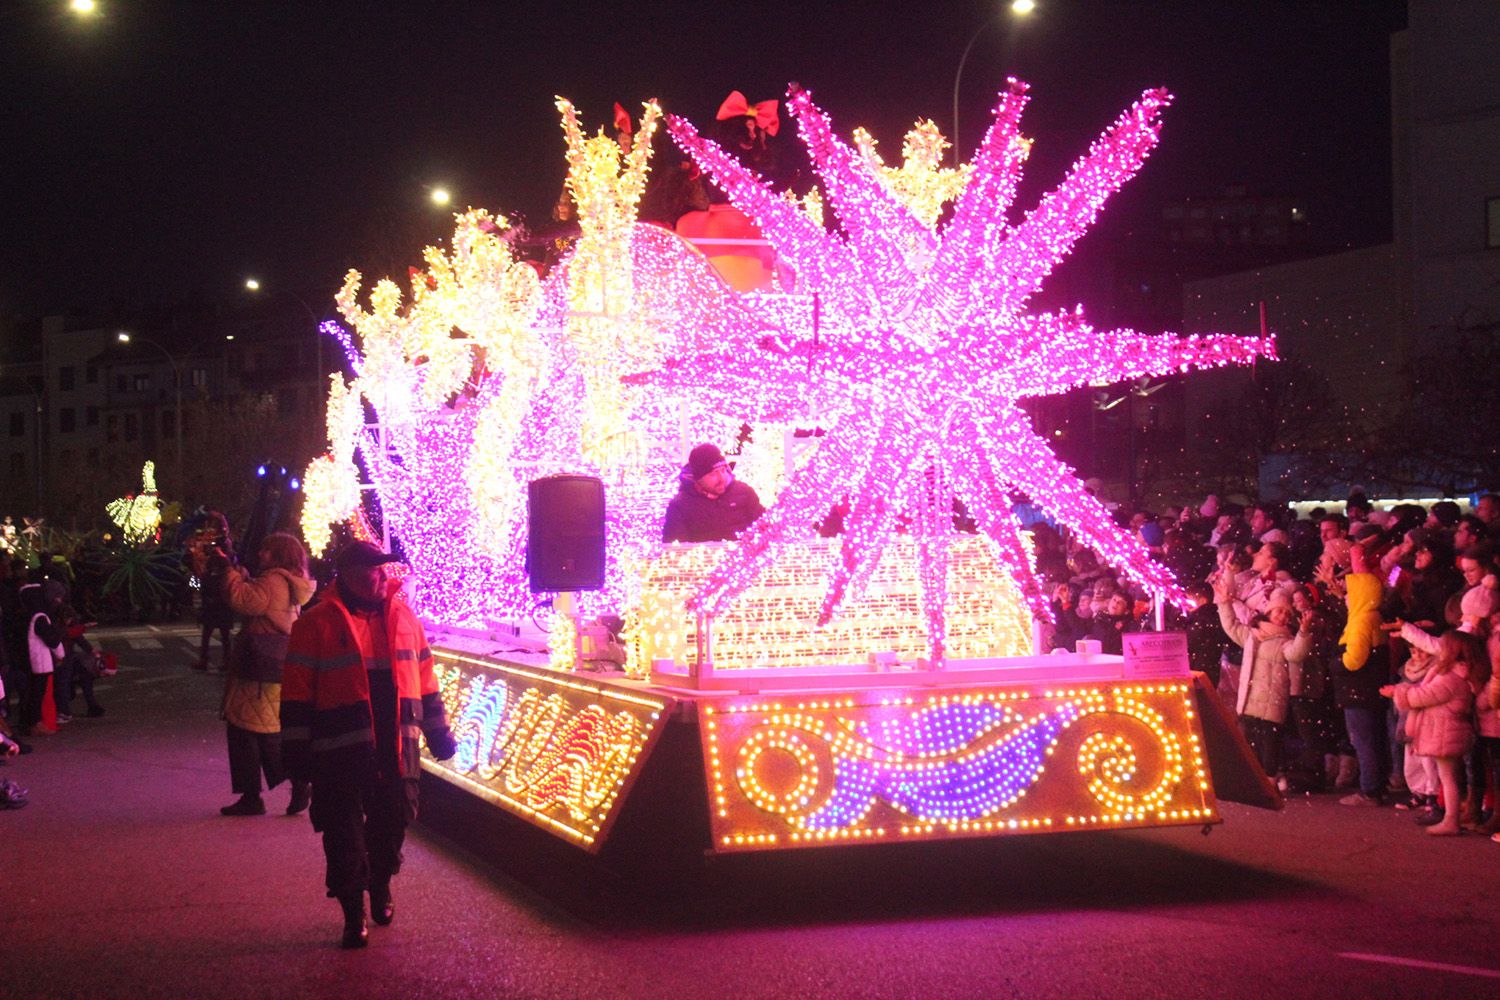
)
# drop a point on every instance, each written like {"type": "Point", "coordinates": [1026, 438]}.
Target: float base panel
{"type": "Point", "coordinates": [558, 750]}
{"type": "Point", "coordinates": [807, 770]}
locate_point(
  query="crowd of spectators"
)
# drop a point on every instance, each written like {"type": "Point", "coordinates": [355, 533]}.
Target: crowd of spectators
{"type": "Point", "coordinates": [1358, 648]}
{"type": "Point", "coordinates": [46, 659]}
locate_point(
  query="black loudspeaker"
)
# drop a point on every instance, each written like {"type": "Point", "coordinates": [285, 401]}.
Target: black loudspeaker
{"type": "Point", "coordinates": [565, 537]}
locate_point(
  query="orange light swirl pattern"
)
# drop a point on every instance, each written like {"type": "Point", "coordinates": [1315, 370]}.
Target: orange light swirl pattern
{"type": "Point", "coordinates": [801, 770]}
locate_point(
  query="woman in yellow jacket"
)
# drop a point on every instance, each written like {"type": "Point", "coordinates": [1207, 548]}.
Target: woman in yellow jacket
{"type": "Point", "coordinates": [1359, 674]}
{"type": "Point", "coordinates": [270, 604]}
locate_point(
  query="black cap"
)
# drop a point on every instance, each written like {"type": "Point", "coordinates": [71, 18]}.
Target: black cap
{"type": "Point", "coordinates": [704, 459]}
{"type": "Point", "coordinates": [358, 555]}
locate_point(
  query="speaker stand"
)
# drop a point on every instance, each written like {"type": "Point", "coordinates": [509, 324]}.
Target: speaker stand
{"type": "Point", "coordinates": [565, 602]}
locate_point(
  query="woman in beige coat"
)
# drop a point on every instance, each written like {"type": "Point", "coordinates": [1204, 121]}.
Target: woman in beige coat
{"type": "Point", "coordinates": [270, 604]}
{"type": "Point", "coordinates": [1272, 670]}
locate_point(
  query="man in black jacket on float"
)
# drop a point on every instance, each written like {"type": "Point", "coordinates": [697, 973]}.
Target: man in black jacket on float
{"type": "Point", "coordinates": [710, 505]}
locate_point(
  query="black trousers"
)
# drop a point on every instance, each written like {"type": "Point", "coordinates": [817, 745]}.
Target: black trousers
{"type": "Point", "coordinates": [36, 696]}
{"type": "Point", "coordinates": [363, 826]}
{"type": "Point", "coordinates": [1264, 738]}
{"type": "Point", "coordinates": [1307, 718]}
{"type": "Point", "coordinates": [250, 755]}
{"type": "Point", "coordinates": [70, 674]}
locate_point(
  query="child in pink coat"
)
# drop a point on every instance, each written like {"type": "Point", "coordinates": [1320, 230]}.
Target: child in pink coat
{"type": "Point", "coordinates": [1440, 722]}
{"type": "Point", "coordinates": [1488, 715]}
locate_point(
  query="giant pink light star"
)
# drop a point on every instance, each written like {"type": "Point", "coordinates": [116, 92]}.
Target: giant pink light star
{"type": "Point", "coordinates": [918, 347]}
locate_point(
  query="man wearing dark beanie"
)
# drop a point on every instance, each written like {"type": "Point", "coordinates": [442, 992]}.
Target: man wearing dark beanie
{"type": "Point", "coordinates": [710, 505]}
{"type": "Point", "coordinates": [357, 686]}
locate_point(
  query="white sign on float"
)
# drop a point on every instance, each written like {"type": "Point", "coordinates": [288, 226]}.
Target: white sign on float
{"type": "Point", "coordinates": [1151, 656]}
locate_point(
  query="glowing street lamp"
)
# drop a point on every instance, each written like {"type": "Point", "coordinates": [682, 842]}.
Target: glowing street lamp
{"type": "Point", "coordinates": [253, 285]}
{"type": "Point", "coordinates": [440, 196]}
{"type": "Point", "coordinates": [125, 337]}
{"type": "Point", "coordinates": [1018, 9]}
{"type": "Point", "coordinates": [83, 8]}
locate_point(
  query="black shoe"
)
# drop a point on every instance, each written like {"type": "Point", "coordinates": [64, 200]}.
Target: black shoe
{"type": "Point", "coordinates": [382, 907]}
{"type": "Point", "coordinates": [356, 931]}
{"type": "Point", "coordinates": [1431, 816]}
{"type": "Point", "coordinates": [246, 805]}
{"type": "Point", "coordinates": [301, 798]}
{"type": "Point", "coordinates": [95, 711]}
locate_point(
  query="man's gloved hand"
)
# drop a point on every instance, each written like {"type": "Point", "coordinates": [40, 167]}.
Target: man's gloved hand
{"type": "Point", "coordinates": [442, 745]}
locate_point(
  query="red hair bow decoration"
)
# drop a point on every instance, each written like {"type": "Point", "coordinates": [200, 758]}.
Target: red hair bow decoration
{"type": "Point", "coordinates": [763, 112]}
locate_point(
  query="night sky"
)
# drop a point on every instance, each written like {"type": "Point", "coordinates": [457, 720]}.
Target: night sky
{"type": "Point", "coordinates": [163, 151]}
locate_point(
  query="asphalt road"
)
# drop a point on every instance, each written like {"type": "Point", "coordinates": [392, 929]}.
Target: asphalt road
{"type": "Point", "coordinates": [122, 880]}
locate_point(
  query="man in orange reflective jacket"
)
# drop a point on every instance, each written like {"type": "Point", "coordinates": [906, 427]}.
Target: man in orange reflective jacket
{"type": "Point", "coordinates": [357, 690]}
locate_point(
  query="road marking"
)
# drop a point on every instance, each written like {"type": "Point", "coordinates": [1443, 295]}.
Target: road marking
{"type": "Point", "coordinates": [1417, 963]}
{"type": "Point", "coordinates": [155, 680]}
{"type": "Point", "coordinates": [144, 643]}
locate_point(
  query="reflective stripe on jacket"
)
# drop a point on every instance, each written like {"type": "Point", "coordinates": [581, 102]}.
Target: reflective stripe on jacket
{"type": "Point", "coordinates": [327, 725]}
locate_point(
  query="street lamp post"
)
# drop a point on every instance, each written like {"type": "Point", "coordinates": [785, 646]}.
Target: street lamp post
{"type": "Point", "coordinates": [126, 338]}
{"type": "Point", "coordinates": [36, 444]}
{"type": "Point", "coordinates": [1018, 8]}
{"type": "Point", "coordinates": [253, 285]}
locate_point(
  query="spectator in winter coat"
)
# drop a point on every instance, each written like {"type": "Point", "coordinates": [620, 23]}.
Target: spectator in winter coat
{"type": "Point", "coordinates": [1334, 532]}
{"type": "Point", "coordinates": [1307, 711]}
{"type": "Point", "coordinates": [1476, 566]}
{"type": "Point", "coordinates": [1205, 635]}
{"type": "Point", "coordinates": [1469, 532]}
{"type": "Point", "coordinates": [1440, 722]}
{"type": "Point", "coordinates": [44, 647]}
{"type": "Point", "coordinates": [1443, 516]}
{"type": "Point", "coordinates": [1358, 675]}
{"type": "Point", "coordinates": [1433, 579]}
{"type": "Point", "coordinates": [252, 688]}
{"type": "Point", "coordinates": [1111, 622]}
{"type": "Point", "coordinates": [1265, 673]}
{"type": "Point", "coordinates": [1488, 511]}
{"type": "Point", "coordinates": [1487, 716]}
{"type": "Point", "coordinates": [1265, 524]}
{"type": "Point", "coordinates": [1266, 580]}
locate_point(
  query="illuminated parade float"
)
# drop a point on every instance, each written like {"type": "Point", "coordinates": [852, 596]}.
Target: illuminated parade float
{"type": "Point", "coordinates": [884, 683]}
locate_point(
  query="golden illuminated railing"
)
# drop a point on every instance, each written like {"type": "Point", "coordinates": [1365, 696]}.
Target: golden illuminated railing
{"type": "Point", "coordinates": [775, 623]}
